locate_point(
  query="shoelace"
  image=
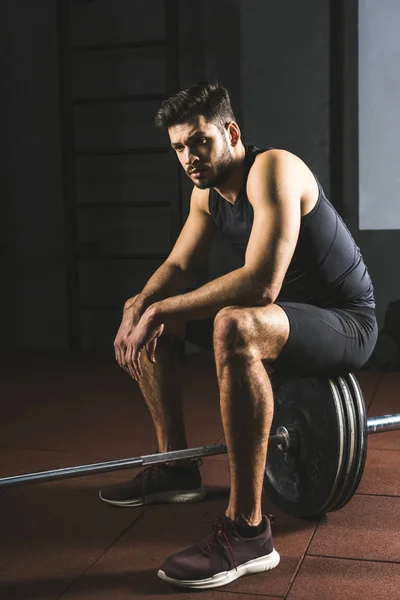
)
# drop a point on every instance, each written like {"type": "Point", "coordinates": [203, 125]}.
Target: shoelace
{"type": "Point", "coordinates": [147, 471]}
{"type": "Point", "coordinates": [222, 528]}
{"type": "Point", "coordinates": [145, 474]}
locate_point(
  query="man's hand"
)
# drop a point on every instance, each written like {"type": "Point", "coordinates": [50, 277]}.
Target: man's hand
{"type": "Point", "coordinates": [145, 336]}
{"type": "Point", "coordinates": [129, 321]}
{"type": "Point", "coordinates": [136, 333]}
{"type": "Point", "coordinates": [133, 310]}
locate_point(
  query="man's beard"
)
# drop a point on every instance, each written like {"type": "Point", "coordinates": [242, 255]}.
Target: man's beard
{"type": "Point", "coordinates": [222, 171]}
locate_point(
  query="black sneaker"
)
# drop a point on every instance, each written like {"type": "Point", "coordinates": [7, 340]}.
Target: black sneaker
{"type": "Point", "coordinates": [221, 557]}
{"type": "Point", "coordinates": [157, 483]}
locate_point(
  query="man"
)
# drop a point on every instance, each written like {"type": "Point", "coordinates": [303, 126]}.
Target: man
{"type": "Point", "coordinates": [302, 301]}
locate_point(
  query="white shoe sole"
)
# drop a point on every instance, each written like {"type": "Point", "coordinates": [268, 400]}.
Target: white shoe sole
{"type": "Point", "coordinates": [257, 565]}
{"type": "Point", "coordinates": [175, 497]}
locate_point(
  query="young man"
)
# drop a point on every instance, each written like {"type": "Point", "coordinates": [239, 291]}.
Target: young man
{"type": "Point", "coordinates": [302, 301]}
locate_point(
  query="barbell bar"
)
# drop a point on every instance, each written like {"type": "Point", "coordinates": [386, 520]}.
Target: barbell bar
{"type": "Point", "coordinates": [383, 424]}
{"type": "Point", "coordinates": [284, 439]}
{"type": "Point", "coordinates": [125, 463]}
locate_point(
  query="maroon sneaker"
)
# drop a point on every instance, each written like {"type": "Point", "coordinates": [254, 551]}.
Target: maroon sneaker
{"type": "Point", "coordinates": [158, 483]}
{"type": "Point", "coordinates": [221, 558]}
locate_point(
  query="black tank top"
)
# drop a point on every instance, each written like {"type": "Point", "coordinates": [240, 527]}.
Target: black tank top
{"type": "Point", "coordinates": [326, 269]}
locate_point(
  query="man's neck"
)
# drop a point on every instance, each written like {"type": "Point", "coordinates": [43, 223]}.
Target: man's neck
{"type": "Point", "coordinates": [231, 188]}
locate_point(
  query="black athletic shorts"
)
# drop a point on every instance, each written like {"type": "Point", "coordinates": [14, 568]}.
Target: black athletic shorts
{"type": "Point", "coordinates": [322, 341]}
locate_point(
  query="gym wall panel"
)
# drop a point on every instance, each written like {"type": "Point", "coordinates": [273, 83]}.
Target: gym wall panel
{"type": "Point", "coordinates": [124, 231]}
{"type": "Point", "coordinates": [111, 283]}
{"type": "Point", "coordinates": [121, 49]}
{"type": "Point", "coordinates": [119, 125]}
{"type": "Point", "coordinates": [33, 291]}
{"type": "Point", "coordinates": [99, 328]}
{"type": "Point", "coordinates": [113, 21]}
{"type": "Point", "coordinates": [125, 178]}
{"type": "Point", "coordinates": [285, 78]}
{"type": "Point", "coordinates": [120, 72]}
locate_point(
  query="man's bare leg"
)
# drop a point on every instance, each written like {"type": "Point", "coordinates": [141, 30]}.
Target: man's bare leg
{"type": "Point", "coordinates": [161, 386]}
{"type": "Point", "coordinates": [243, 337]}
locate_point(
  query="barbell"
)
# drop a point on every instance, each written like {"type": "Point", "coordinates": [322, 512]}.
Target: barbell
{"type": "Point", "coordinates": [315, 459]}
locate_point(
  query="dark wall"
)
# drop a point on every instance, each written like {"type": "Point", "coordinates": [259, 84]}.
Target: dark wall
{"type": "Point", "coordinates": [285, 78]}
{"type": "Point", "coordinates": [272, 56]}
{"type": "Point", "coordinates": [278, 54]}
{"type": "Point", "coordinates": [32, 249]}
{"type": "Point", "coordinates": [123, 230]}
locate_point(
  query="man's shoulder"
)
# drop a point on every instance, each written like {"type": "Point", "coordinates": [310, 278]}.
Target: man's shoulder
{"type": "Point", "coordinates": [270, 155]}
{"type": "Point", "coordinates": [278, 173]}
{"type": "Point", "coordinates": [200, 198]}
{"type": "Point", "coordinates": [275, 163]}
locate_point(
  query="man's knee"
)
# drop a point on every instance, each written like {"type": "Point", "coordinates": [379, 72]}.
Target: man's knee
{"type": "Point", "coordinates": [233, 330]}
{"type": "Point", "coordinates": [249, 334]}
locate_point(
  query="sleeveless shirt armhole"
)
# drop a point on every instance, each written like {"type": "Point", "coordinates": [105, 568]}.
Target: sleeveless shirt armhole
{"type": "Point", "coordinates": [318, 202]}
{"type": "Point", "coordinates": [211, 201]}
{"type": "Point", "coordinates": [213, 206]}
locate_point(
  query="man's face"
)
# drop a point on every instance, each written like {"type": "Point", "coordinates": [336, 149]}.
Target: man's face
{"type": "Point", "coordinates": [203, 151]}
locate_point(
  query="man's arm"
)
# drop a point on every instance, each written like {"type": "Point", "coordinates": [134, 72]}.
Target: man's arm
{"type": "Point", "coordinates": [187, 256]}
{"type": "Point", "coordinates": [274, 188]}
{"type": "Point", "coordinates": [190, 250]}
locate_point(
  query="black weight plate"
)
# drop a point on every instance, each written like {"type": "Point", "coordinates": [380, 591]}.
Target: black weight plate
{"type": "Point", "coordinates": [362, 440]}
{"type": "Point", "coordinates": [303, 481]}
{"type": "Point", "coordinates": [350, 463]}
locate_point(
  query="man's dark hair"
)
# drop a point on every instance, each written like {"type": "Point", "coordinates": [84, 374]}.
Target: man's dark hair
{"type": "Point", "coordinates": [207, 99]}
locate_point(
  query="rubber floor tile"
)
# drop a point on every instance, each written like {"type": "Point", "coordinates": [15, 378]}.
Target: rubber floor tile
{"type": "Point", "coordinates": [369, 382]}
{"type": "Point", "coordinates": [386, 401]}
{"type": "Point", "coordinates": [17, 461]}
{"type": "Point", "coordinates": [101, 414]}
{"type": "Point", "coordinates": [130, 566]}
{"type": "Point", "coordinates": [367, 528]}
{"type": "Point", "coordinates": [35, 376]}
{"type": "Point", "coordinates": [201, 401]}
{"type": "Point", "coordinates": [382, 473]}
{"type": "Point", "coordinates": [79, 418]}
{"type": "Point", "coordinates": [52, 533]}
{"type": "Point", "coordinates": [215, 477]}
{"type": "Point", "coordinates": [118, 587]}
{"type": "Point", "coordinates": [107, 396]}
{"type": "Point", "coordinates": [95, 440]}
{"type": "Point", "coordinates": [334, 579]}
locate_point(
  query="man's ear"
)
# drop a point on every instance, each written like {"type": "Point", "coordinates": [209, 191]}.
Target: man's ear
{"type": "Point", "coordinates": [233, 132]}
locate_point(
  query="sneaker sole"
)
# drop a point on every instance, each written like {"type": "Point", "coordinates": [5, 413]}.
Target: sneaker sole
{"type": "Point", "coordinates": [257, 565]}
{"type": "Point", "coordinates": [176, 497]}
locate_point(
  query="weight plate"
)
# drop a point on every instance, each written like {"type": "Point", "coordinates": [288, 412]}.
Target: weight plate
{"type": "Point", "coordinates": [362, 440]}
{"type": "Point", "coordinates": [304, 481]}
{"type": "Point", "coordinates": [349, 464]}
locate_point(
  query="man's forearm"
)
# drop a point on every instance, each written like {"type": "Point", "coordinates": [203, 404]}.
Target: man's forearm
{"type": "Point", "coordinates": [235, 288]}
{"type": "Point", "coordinates": [168, 280]}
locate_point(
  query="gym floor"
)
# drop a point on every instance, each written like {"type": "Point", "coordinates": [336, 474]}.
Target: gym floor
{"type": "Point", "coordinates": [58, 540]}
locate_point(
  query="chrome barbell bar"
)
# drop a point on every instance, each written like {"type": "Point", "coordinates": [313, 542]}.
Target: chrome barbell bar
{"type": "Point", "coordinates": [125, 463]}
{"type": "Point", "coordinates": [382, 424]}
{"type": "Point", "coordinates": [283, 439]}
